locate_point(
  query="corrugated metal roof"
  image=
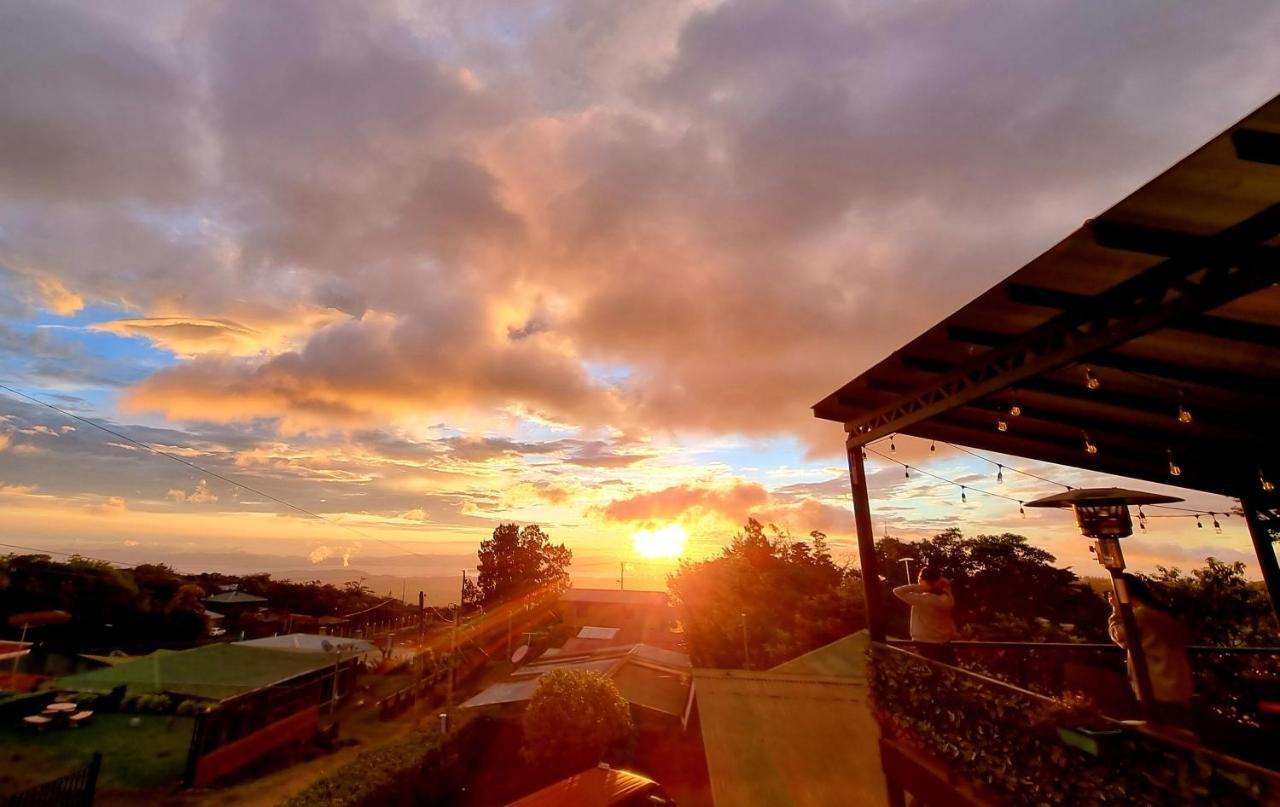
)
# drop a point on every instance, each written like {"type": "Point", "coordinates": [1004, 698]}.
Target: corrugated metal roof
{"type": "Point", "coordinates": [800, 740]}
{"type": "Point", "coordinates": [662, 690]}
{"type": "Point", "coordinates": [592, 632]}
{"type": "Point", "coordinates": [597, 787]}
{"type": "Point", "coordinates": [845, 657]}
{"type": "Point", "coordinates": [235, 598]}
{"type": "Point", "coordinates": [311, 643]}
{"type": "Point", "coordinates": [604, 595]}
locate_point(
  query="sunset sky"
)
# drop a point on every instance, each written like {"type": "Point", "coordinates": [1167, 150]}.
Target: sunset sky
{"type": "Point", "coordinates": [420, 268]}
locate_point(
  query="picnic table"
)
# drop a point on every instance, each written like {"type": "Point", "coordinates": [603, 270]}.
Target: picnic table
{"type": "Point", "coordinates": [37, 722]}
{"type": "Point", "coordinates": [58, 708]}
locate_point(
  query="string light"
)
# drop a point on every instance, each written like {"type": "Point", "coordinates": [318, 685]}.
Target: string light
{"type": "Point", "coordinates": [1184, 414]}
{"type": "Point", "coordinates": [906, 471]}
{"type": "Point", "coordinates": [963, 497]}
{"type": "Point", "coordinates": [1089, 446]}
{"type": "Point", "coordinates": [932, 446]}
{"type": "Point", "coordinates": [1198, 524]}
{"type": "Point", "coordinates": [1267, 485]}
{"type": "Point", "coordinates": [1216, 526]}
{"type": "Point", "coordinates": [1022, 511]}
{"type": "Point", "coordinates": [1174, 468]}
{"type": "Point", "coordinates": [1015, 408]}
{"type": "Point", "coordinates": [1002, 425]}
{"type": "Point", "coordinates": [1091, 379]}
{"type": "Point", "coordinates": [893, 449]}
{"type": "Point", "coordinates": [999, 473]}
{"type": "Point", "coordinates": [1142, 519]}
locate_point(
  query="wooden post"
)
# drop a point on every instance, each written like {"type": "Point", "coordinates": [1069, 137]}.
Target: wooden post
{"type": "Point", "coordinates": [866, 544]}
{"type": "Point", "coordinates": [1264, 523]}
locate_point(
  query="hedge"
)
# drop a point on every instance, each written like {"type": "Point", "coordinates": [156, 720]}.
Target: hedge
{"type": "Point", "coordinates": [423, 768]}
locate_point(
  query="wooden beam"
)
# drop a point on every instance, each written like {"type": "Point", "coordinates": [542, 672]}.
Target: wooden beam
{"type": "Point", "coordinates": [1257, 146]}
{"type": "Point", "coordinates": [1206, 324]}
{"type": "Point", "coordinates": [866, 545]}
{"type": "Point", "coordinates": [1263, 516]}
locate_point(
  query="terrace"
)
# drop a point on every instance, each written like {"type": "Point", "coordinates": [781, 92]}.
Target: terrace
{"type": "Point", "coordinates": [1145, 345]}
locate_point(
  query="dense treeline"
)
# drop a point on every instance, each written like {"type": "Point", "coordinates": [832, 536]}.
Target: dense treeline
{"type": "Point", "coordinates": [150, 604]}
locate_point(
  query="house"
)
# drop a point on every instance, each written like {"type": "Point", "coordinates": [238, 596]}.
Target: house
{"type": "Point", "coordinates": [366, 652]}
{"type": "Point", "coordinates": [639, 616]}
{"type": "Point", "coordinates": [653, 680]}
{"type": "Point", "coordinates": [251, 699]}
{"type": "Point", "coordinates": [600, 786]}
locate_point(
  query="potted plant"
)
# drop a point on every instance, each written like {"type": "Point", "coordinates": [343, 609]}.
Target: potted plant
{"type": "Point", "coordinates": [1079, 724]}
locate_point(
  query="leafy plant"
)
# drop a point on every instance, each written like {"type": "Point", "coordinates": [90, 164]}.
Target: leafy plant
{"type": "Point", "coordinates": [574, 719]}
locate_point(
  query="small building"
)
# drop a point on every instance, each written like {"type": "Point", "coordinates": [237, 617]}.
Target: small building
{"type": "Point", "coordinates": [252, 699]}
{"type": "Point", "coordinates": [600, 786]}
{"type": "Point", "coordinates": [639, 616]}
{"type": "Point", "coordinates": [653, 680]}
{"type": "Point", "coordinates": [333, 646]}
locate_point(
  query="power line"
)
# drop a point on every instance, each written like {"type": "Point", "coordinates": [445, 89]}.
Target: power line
{"type": "Point", "coordinates": [230, 481]}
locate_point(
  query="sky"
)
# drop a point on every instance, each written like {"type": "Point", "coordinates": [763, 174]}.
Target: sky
{"type": "Point", "coordinates": [406, 270]}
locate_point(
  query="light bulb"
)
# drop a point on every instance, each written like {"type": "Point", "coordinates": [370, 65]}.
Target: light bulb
{"type": "Point", "coordinates": [1198, 524]}
{"type": "Point", "coordinates": [963, 497]}
{"type": "Point", "coordinates": [999, 473]}
{"type": "Point", "coordinates": [1184, 415]}
{"type": "Point", "coordinates": [1015, 409]}
{"type": "Point", "coordinates": [1174, 468]}
{"type": "Point", "coordinates": [1002, 425]}
{"type": "Point", "coordinates": [906, 472]}
{"type": "Point", "coordinates": [932, 446]}
{"type": "Point", "coordinates": [1216, 526]}
{"type": "Point", "coordinates": [1091, 379]}
{"type": "Point", "coordinates": [893, 449]}
{"type": "Point", "coordinates": [1022, 510]}
{"type": "Point", "coordinates": [1142, 519]}
{"type": "Point", "coordinates": [1089, 446]}
{"type": "Point", "coordinates": [1267, 485]}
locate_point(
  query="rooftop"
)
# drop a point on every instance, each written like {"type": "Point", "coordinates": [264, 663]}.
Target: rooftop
{"type": "Point", "coordinates": [845, 657]}
{"type": "Point", "coordinates": [310, 643]}
{"type": "Point", "coordinates": [773, 738]}
{"type": "Point", "coordinates": [596, 787]}
{"type": "Point", "coordinates": [215, 672]}
{"type": "Point", "coordinates": [235, 598]}
{"type": "Point", "coordinates": [608, 595]}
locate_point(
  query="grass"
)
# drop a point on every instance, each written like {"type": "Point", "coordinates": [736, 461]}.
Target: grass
{"type": "Point", "coordinates": [152, 754]}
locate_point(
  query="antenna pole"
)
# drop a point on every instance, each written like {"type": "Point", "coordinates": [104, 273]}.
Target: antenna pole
{"type": "Point", "coordinates": [622, 574]}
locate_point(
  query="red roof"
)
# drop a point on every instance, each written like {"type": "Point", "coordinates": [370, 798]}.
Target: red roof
{"type": "Point", "coordinates": [597, 787]}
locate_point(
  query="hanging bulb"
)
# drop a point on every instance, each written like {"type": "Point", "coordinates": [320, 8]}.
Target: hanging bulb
{"type": "Point", "coordinates": [1142, 519]}
{"type": "Point", "coordinates": [906, 471]}
{"type": "Point", "coordinates": [1002, 425]}
{"type": "Point", "coordinates": [1216, 526]}
{"type": "Point", "coordinates": [892, 448]}
{"type": "Point", "coordinates": [1267, 485]}
{"type": "Point", "coordinates": [1091, 379]}
{"type": "Point", "coordinates": [1089, 446]}
{"type": "Point", "coordinates": [963, 497]}
{"type": "Point", "coordinates": [1174, 468]}
{"type": "Point", "coordinates": [999, 473]}
{"type": "Point", "coordinates": [1184, 414]}
{"type": "Point", "coordinates": [1022, 511]}
{"type": "Point", "coordinates": [1015, 408]}
{"type": "Point", "coordinates": [1198, 524]}
{"type": "Point", "coordinates": [932, 447]}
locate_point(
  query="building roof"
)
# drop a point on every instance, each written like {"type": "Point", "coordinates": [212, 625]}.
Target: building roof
{"type": "Point", "coordinates": [845, 657]}
{"type": "Point", "coordinates": [646, 676]}
{"type": "Point", "coordinates": [12, 650]}
{"type": "Point", "coordinates": [801, 740]}
{"type": "Point", "coordinates": [311, 643]}
{"type": "Point", "coordinates": [235, 598]}
{"type": "Point", "coordinates": [1168, 298]}
{"type": "Point", "coordinates": [591, 632]}
{"type": "Point", "coordinates": [216, 671]}
{"type": "Point", "coordinates": [617, 597]}
{"type": "Point", "coordinates": [597, 787]}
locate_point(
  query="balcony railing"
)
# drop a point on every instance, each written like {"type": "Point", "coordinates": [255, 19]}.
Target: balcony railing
{"type": "Point", "coordinates": [988, 741]}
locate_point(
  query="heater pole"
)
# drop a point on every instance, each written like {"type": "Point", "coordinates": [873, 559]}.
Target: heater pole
{"type": "Point", "coordinates": [1133, 643]}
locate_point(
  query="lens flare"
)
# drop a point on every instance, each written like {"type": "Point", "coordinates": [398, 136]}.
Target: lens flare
{"type": "Point", "coordinates": [666, 542]}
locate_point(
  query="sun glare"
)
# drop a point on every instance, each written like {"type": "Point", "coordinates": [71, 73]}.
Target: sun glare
{"type": "Point", "coordinates": [667, 542]}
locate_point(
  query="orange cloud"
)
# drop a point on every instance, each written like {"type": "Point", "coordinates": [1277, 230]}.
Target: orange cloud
{"type": "Point", "coordinates": [734, 503]}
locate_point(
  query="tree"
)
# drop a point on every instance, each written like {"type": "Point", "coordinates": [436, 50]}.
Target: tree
{"type": "Point", "coordinates": [517, 561]}
{"type": "Point", "coordinates": [794, 598]}
{"type": "Point", "coordinates": [574, 719]}
{"type": "Point", "coordinates": [1216, 603]}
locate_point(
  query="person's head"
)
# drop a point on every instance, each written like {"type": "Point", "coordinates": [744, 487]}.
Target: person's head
{"type": "Point", "coordinates": [932, 579]}
{"type": "Point", "coordinates": [1139, 591]}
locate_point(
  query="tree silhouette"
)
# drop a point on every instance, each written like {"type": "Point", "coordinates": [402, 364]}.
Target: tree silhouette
{"type": "Point", "coordinates": [574, 719]}
{"type": "Point", "coordinates": [517, 561]}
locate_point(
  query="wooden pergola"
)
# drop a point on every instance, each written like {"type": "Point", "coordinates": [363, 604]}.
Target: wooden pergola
{"type": "Point", "coordinates": [1151, 333]}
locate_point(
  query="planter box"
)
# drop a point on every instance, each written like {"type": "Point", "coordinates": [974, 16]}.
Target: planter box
{"type": "Point", "coordinates": [1089, 741]}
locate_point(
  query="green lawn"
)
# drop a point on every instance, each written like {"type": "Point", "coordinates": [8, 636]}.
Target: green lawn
{"type": "Point", "coordinates": [152, 754]}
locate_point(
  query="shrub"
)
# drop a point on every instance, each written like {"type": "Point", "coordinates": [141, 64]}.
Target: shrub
{"type": "Point", "coordinates": [574, 719]}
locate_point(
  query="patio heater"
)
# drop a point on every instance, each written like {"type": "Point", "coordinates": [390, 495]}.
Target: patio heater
{"type": "Point", "coordinates": [1103, 515]}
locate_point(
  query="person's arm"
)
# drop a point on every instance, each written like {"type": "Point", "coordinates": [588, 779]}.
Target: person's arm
{"type": "Point", "coordinates": [916, 595]}
{"type": "Point", "coordinates": [1115, 627]}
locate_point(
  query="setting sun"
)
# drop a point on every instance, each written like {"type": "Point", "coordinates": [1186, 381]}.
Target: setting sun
{"type": "Point", "coordinates": [667, 542]}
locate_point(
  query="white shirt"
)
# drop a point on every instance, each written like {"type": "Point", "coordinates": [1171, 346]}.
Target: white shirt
{"type": "Point", "coordinates": [931, 619]}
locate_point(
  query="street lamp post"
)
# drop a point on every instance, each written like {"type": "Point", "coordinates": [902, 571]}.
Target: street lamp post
{"type": "Point", "coordinates": [746, 652]}
{"type": "Point", "coordinates": [906, 563]}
